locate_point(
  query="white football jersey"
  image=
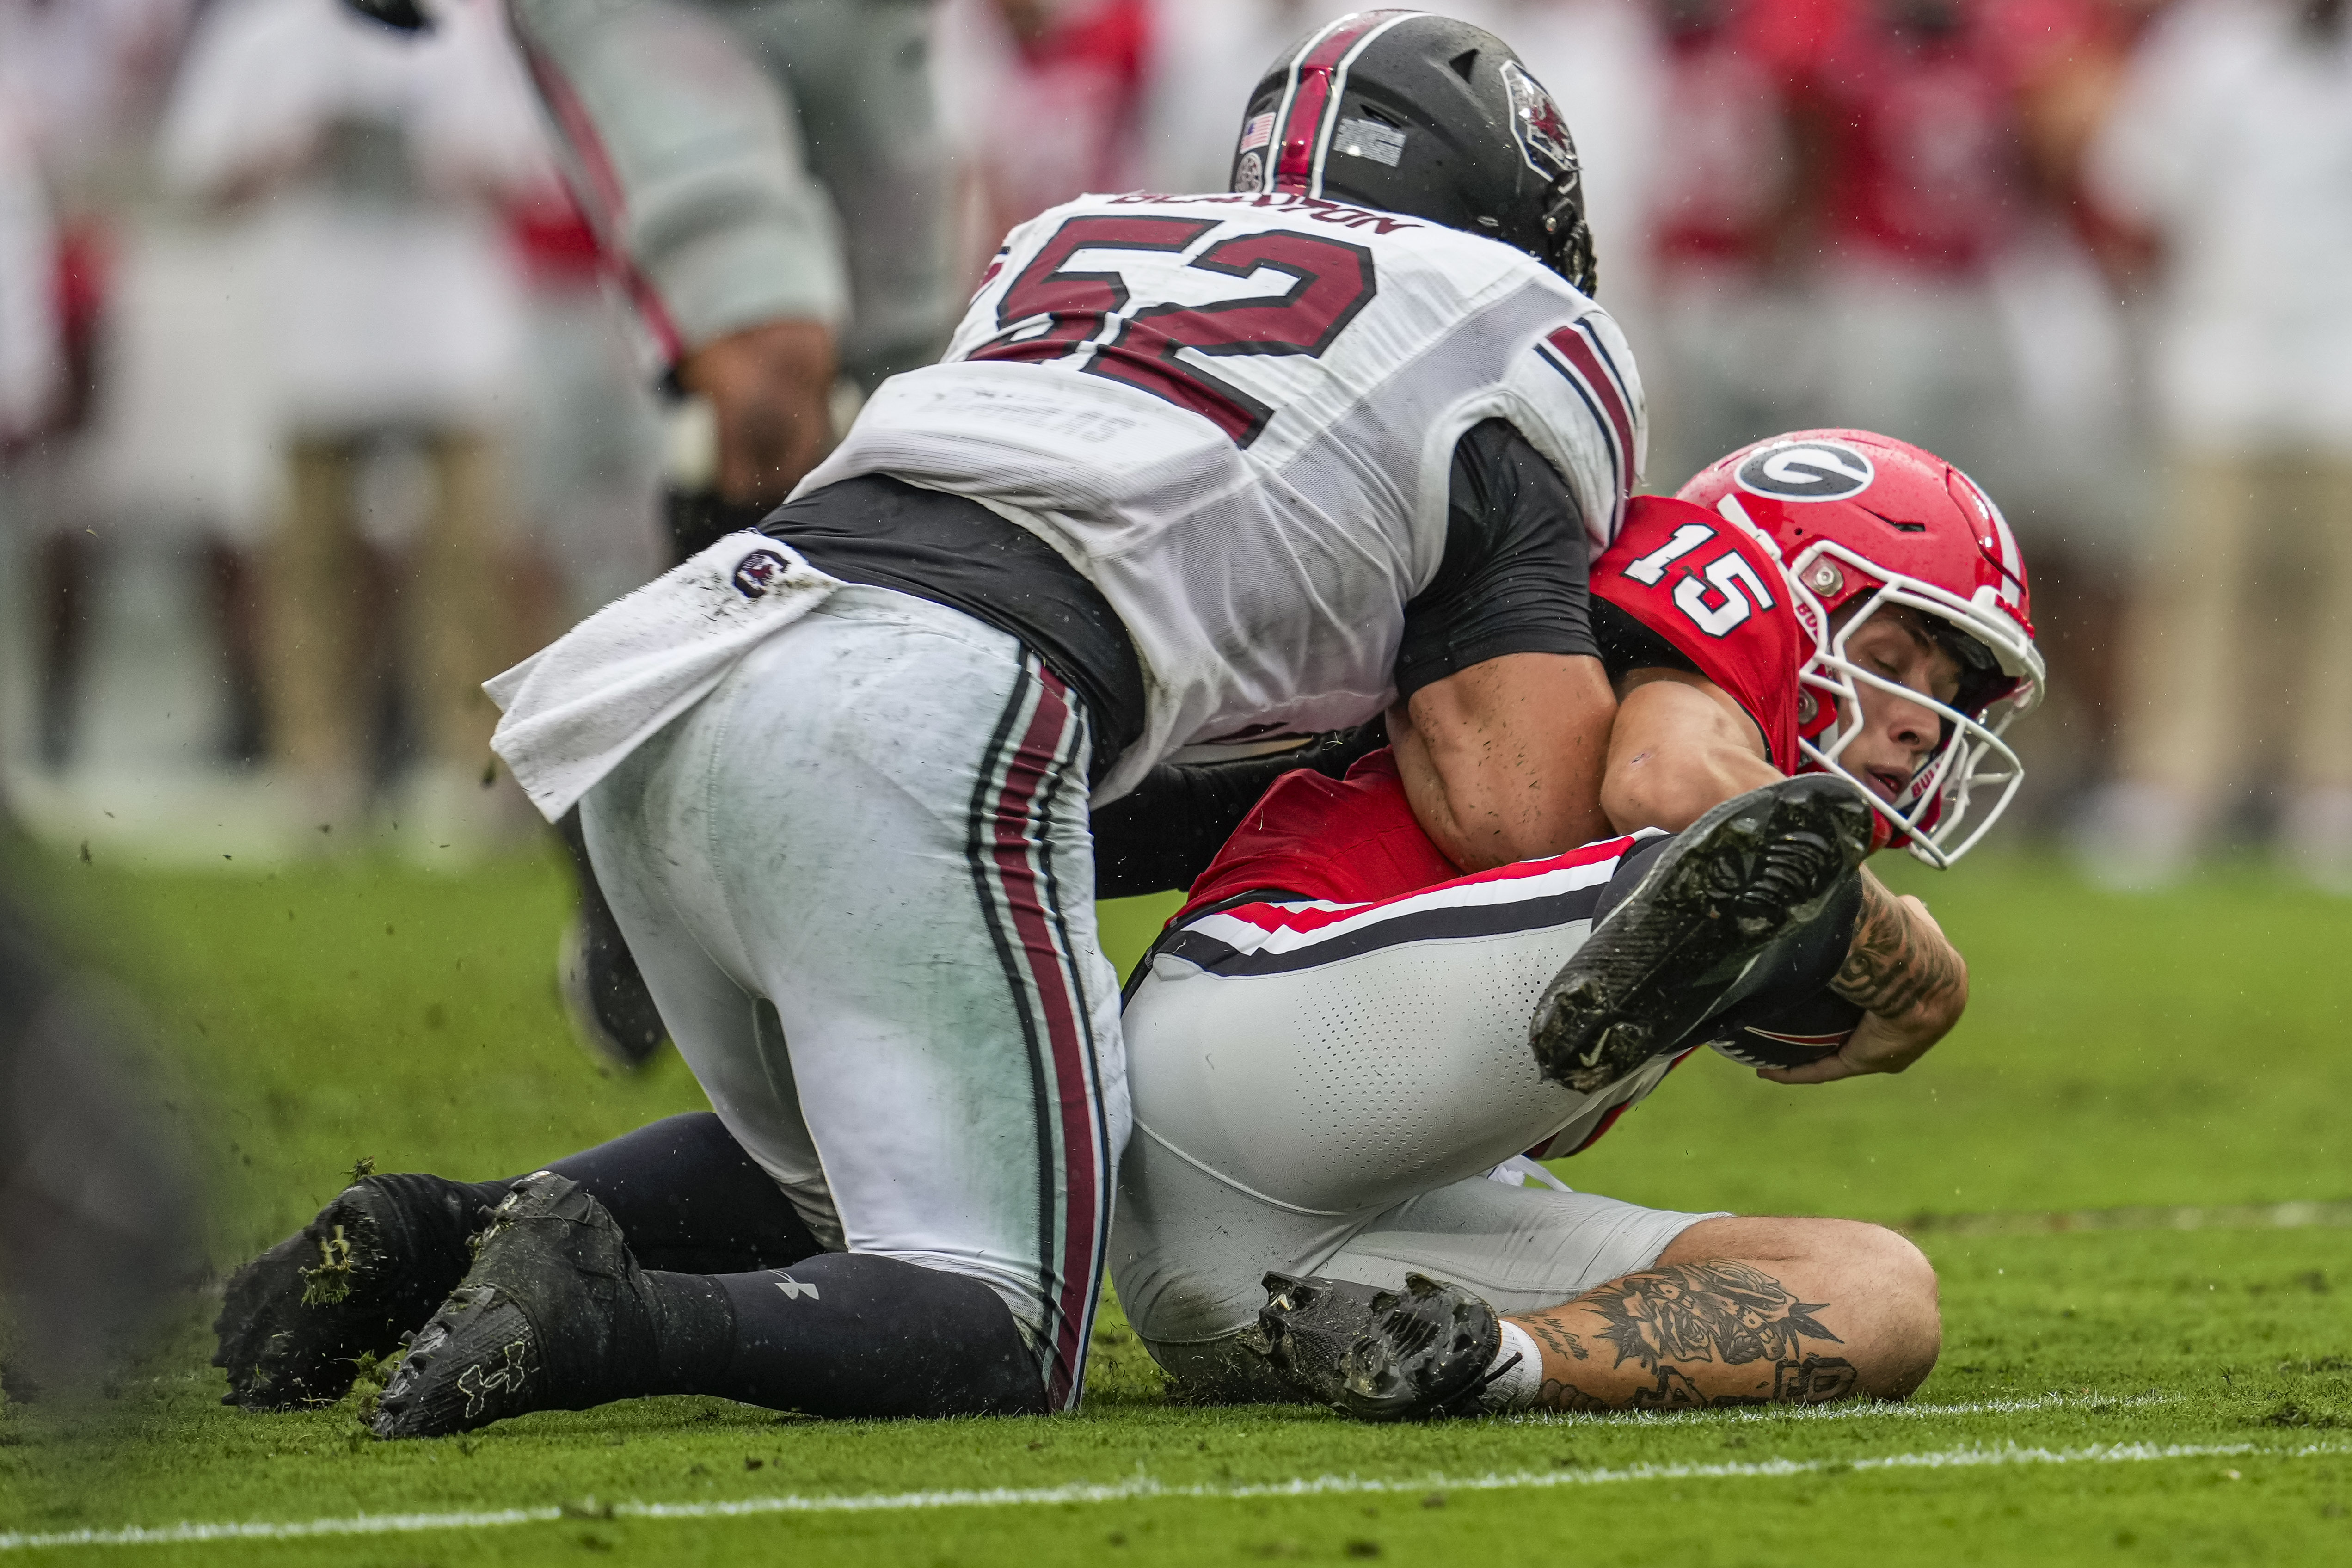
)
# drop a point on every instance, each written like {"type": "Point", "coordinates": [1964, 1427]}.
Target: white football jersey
{"type": "Point", "coordinates": [1236, 416]}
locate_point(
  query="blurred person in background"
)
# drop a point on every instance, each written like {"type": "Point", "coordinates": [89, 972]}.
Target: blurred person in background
{"type": "Point", "coordinates": [175, 448]}
{"type": "Point", "coordinates": [2232, 142]}
{"type": "Point", "coordinates": [770, 179]}
{"type": "Point", "coordinates": [1953, 300]}
{"type": "Point", "coordinates": [775, 191]}
{"type": "Point", "coordinates": [370, 169]}
{"type": "Point", "coordinates": [1048, 97]}
{"type": "Point", "coordinates": [587, 440]}
{"type": "Point", "coordinates": [32, 368]}
{"type": "Point", "coordinates": [1732, 344]}
{"type": "Point", "coordinates": [147, 443]}
{"type": "Point", "coordinates": [771, 176]}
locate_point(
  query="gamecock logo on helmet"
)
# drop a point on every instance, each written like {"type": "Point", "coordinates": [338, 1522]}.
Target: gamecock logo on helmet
{"type": "Point", "coordinates": [1535, 121]}
{"type": "Point", "coordinates": [1806, 470]}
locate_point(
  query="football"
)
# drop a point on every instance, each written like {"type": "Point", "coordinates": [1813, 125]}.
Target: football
{"type": "Point", "coordinates": [1802, 1034]}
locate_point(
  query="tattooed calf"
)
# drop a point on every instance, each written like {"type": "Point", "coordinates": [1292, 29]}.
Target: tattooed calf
{"type": "Point", "coordinates": [1816, 1380]}
{"type": "Point", "coordinates": [1718, 1312]}
{"type": "Point", "coordinates": [1557, 1339]}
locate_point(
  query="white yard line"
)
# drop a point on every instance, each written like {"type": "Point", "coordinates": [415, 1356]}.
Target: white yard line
{"type": "Point", "coordinates": [2303, 1214]}
{"type": "Point", "coordinates": [1856, 1410]}
{"type": "Point", "coordinates": [1143, 1488]}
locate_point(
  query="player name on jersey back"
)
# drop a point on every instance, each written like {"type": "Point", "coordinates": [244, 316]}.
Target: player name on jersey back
{"type": "Point", "coordinates": [1236, 414]}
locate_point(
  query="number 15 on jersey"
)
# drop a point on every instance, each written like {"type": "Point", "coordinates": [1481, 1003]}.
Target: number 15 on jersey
{"type": "Point", "coordinates": [1716, 597]}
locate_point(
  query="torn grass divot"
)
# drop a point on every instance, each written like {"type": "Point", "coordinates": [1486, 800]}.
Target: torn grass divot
{"type": "Point", "coordinates": [1144, 1488]}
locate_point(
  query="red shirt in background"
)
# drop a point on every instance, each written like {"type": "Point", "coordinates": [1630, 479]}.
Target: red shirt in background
{"type": "Point", "coordinates": [1918, 103]}
{"type": "Point", "coordinates": [1727, 157]}
{"type": "Point", "coordinates": [1067, 120]}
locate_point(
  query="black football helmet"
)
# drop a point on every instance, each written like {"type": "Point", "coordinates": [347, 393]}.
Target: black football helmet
{"type": "Point", "coordinates": [1408, 112]}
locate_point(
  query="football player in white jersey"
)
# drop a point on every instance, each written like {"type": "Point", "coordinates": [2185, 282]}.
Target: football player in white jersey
{"type": "Point", "coordinates": [1197, 471]}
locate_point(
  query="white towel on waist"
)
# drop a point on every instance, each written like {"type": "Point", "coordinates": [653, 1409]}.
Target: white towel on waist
{"type": "Point", "coordinates": [578, 706]}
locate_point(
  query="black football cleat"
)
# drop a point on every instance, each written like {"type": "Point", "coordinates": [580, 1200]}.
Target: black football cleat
{"type": "Point", "coordinates": [1664, 961]}
{"type": "Point", "coordinates": [1309, 1325]}
{"type": "Point", "coordinates": [596, 975]}
{"type": "Point", "coordinates": [553, 1315]}
{"type": "Point", "coordinates": [371, 1268]}
{"type": "Point", "coordinates": [605, 998]}
{"type": "Point", "coordinates": [1382, 1355]}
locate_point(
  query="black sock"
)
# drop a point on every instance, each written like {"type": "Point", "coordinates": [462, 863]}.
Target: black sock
{"type": "Point", "coordinates": [694, 1332]}
{"type": "Point", "coordinates": [846, 1334]}
{"type": "Point", "coordinates": [688, 1198]}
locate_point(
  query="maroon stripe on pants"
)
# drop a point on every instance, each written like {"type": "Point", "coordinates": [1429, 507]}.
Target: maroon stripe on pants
{"type": "Point", "coordinates": [1060, 1006]}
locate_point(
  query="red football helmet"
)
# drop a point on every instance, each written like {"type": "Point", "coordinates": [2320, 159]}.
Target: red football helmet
{"type": "Point", "coordinates": [1866, 522]}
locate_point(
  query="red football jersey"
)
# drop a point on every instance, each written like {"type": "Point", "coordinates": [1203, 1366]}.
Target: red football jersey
{"type": "Point", "coordinates": [1350, 841]}
{"type": "Point", "coordinates": [1706, 586]}
{"type": "Point", "coordinates": [1714, 591]}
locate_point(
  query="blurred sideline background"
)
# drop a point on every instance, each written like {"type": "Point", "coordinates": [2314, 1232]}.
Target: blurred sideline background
{"type": "Point", "coordinates": [320, 402]}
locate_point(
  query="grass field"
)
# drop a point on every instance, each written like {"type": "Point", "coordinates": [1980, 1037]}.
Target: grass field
{"type": "Point", "coordinates": [2122, 1391]}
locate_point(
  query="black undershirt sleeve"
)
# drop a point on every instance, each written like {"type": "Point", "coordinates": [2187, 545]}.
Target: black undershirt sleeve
{"type": "Point", "coordinates": [1514, 579]}
{"type": "Point", "coordinates": [1626, 644]}
{"type": "Point", "coordinates": [1515, 576]}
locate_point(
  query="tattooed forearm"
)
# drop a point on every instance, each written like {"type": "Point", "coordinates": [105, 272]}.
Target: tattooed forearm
{"type": "Point", "coordinates": [1898, 963]}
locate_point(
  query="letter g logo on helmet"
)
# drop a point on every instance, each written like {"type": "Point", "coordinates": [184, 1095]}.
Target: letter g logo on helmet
{"type": "Point", "coordinates": [1806, 471]}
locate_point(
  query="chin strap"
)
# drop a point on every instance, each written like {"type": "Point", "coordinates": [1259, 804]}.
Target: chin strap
{"type": "Point", "coordinates": [1882, 832]}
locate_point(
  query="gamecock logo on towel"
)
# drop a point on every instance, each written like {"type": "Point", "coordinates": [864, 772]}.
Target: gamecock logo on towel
{"type": "Point", "coordinates": [758, 571]}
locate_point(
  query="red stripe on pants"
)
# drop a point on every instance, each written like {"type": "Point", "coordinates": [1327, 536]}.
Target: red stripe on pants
{"type": "Point", "coordinates": [1060, 1003]}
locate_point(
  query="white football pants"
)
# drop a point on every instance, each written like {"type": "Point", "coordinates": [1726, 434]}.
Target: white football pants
{"type": "Point", "coordinates": [858, 879]}
{"type": "Point", "coordinates": [1320, 1089]}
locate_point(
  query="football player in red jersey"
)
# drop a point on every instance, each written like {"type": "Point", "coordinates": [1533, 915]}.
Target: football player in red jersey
{"type": "Point", "coordinates": [1328, 1051]}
